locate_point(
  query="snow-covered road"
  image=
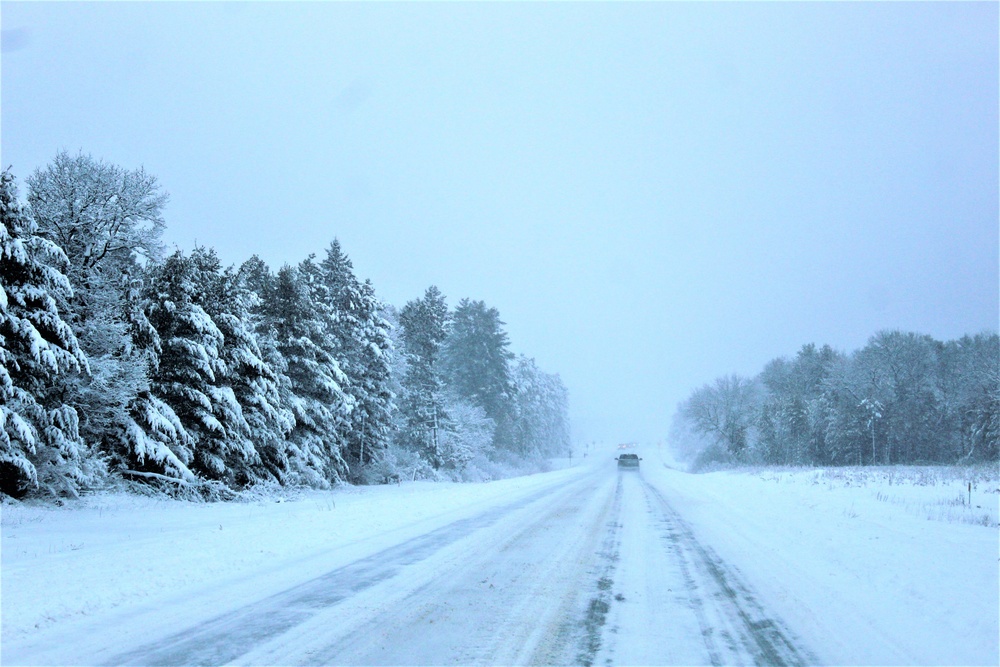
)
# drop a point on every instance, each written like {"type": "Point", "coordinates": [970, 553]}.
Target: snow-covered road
{"type": "Point", "coordinates": [689, 606]}
{"type": "Point", "coordinates": [590, 565]}
{"type": "Point", "coordinates": [601, 570]}
{"type": "Point", "coordinates": [597, 569]}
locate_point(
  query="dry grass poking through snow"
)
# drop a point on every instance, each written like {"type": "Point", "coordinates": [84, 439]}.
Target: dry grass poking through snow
{"type": "Point", "coordinates": [938, 493]}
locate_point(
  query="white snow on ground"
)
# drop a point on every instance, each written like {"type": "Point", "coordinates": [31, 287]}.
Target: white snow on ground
{"type": "Point", "coordinates": [867, 566]}
{"type": "Point", "coordinates": [880, 566]}
{"type": "Point", "coordinates": [112, 551]}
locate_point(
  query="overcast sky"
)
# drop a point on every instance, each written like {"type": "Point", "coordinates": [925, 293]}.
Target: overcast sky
{"type": "Point", "coordinates": [652, 195]}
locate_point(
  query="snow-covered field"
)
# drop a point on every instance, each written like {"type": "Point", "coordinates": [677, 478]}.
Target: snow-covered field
{"type": "Point", "coordinates": [883, 566]}
{"type": "Point", "coordinates": [868, 566]}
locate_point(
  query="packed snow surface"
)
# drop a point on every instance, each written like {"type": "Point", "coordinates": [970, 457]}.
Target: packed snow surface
{"type": "Point", "coordinates": [584, 564]}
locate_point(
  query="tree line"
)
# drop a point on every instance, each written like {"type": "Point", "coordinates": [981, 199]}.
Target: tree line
{"type": "Point", "coordinates": [902, 398]}
{"type": "Point", "coordinates": [125, 364]}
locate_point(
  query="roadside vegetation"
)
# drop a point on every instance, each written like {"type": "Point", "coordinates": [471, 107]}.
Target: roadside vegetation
{"type": "Point", "coordinates": [968, 494]}
{"type": "Point", "coordinates": [125, 366]}
{"type": "Point", "coordinates": [904, 398]}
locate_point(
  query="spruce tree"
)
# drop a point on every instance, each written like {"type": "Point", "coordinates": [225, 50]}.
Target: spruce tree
{"type": "Point", "coordinates": [475, 361]}
{"type": "Point", "coordinates": [424, 330]}
{"type": "Point", "coordinates": [40, 445]}
{"type": "Point", "coordinates": [151, 433]}
{"type": "Point", "coordinates": [360, 342]}
{"type": "Point", "coordinates": [375, 402]}
{"type": "Point", "coordinates": [201, 318]}
{"type": "Point", "coordinates": [240, 372]}
{"type": "Point", "coordinates": [189, 360]}
{"type": "Point", "coordinates": [313, 387]}
{"type": "Point", "coordinates": [263, 385]}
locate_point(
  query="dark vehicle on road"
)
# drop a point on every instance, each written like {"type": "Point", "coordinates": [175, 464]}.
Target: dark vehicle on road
{"type": "Point", "coordinates": [628, 460]}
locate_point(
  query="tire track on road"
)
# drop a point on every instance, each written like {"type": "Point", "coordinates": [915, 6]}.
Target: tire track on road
{"type": "Point", "coordinates": [228, 636]}
{"type": "Point", "coordinates": [501, 601]}
{"type": "Point", "coordinates": [600, 604]}
{"type": "Point", "coordinates": [724, 605]}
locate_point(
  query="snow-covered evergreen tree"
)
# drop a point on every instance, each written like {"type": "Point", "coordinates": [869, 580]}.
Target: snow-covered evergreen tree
{"type": "Point", "coordinates": [40, 445]}
{"type": "Point", "coordinates": [260, 372]}
{"type": "Point", "coordinates": [361, 344]}
{"type": "Point", "coordinates": [375, 402]}
{"type": "Point", "coordinates": [793, 400]}
{"type": "Point", "coordinates": [156, 444]}
{"type": "Point", "coordinates": [151, 431]}
{"type": "Point", "coordinates": [189, 363]}
{"type": "Point", "coordinates": [242, 380]}
{"type": "Point", "coordinates": [903, 398]}
{"type": "Point", "coordinates": [312, 385]}
{"type": "Point", "coordinates": [423, 326]}
{"type": "Point", "coordinates": [475, 362]}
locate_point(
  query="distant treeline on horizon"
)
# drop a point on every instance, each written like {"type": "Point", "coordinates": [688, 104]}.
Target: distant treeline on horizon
{"type": "Point", "coordinates": [904, 398]}
{"type": "Point", "coordinates": [123, 367]}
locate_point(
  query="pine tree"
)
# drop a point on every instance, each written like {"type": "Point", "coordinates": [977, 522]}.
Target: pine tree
{"type": "Point", "coordinates": [475, 361]}
{"type": "Point", "coordinates": [240, 372]}
{"type": "Point", "coordinates": [40, 445]}
{"type": "Point", "coordinates": [796, 426]}
{"type": "Point", "coordinates": [313, 382]}
{"type": "Point", "coordinates": [151, 432]}
{"type": "Point", "coordinates": [189, 366]}
{"type": "Point", "coordinates": [260, 373]}
{"type": "Point", "coordinates": [360, 339]}
{"type": "Point", "coordinates": [423, 322]}
{"type": "Point", "coordinates": [375, 400]}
